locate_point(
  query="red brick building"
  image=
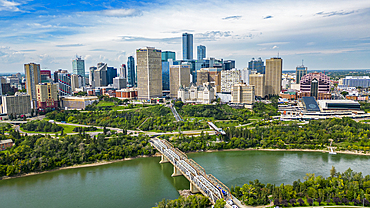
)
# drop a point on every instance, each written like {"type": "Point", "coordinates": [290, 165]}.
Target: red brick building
{"type": "Point", "coordinates": [5, 144]}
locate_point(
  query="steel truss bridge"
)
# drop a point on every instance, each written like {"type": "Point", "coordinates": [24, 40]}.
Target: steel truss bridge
{"type": "Point", "coordinates": [208, 185]}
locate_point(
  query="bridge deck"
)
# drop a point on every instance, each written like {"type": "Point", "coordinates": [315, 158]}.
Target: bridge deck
{"type": "Point", "coordinates": [208, 185]}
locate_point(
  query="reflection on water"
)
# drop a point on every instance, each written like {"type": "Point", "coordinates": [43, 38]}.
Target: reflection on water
{"type": "Point", "coordinates": [143, 182]}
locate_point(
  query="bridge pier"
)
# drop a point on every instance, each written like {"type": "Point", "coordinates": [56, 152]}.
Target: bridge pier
{"type": "Point", "coordinates": [163, 159]}
{"type": "Point", "coordinates": [193, 188]}
{"type": "Point", "coordinates": [176, 172]}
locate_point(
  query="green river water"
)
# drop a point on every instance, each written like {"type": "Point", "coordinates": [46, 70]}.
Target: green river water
{"type": "Point", "coordinates": [143, 182]}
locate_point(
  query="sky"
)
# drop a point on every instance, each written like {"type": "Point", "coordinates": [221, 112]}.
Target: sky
{"type": "Point", "coordinates": [331, 34]}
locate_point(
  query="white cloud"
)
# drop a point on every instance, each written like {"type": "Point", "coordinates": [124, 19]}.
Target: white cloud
{"type": "Point", "coordinates": [115, 13]}
{"type": "Point", "coordinates": [9, 6]}
{"type": "Point", "coordinates": [110, 36]}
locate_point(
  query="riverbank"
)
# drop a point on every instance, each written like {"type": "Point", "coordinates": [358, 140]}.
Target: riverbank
{"type": "Point", "coordinates": [157, 155]}
{"type": "Point", "coordinates": [78, 166]}
{"type": "Point", "coordinates": [288, 150]}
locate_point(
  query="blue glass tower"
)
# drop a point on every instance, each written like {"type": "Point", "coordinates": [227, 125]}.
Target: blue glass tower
{"type": "Point", "coordinates": [201, 52]}
{"type": "Point", "coordinates": [257, 65]}
{"type": "Point", "coordinates": [78, 66]}
{"type": "Point", "coordinates": [111, 73]}
{"type": "Point", "coordinates": [168, 55]}
{"type": "Point", "coordinates": [165, 75]}
{"type": "Point", "coordinates": [187, 46]}
{"type": "Point", "coordinates": [131, 75]}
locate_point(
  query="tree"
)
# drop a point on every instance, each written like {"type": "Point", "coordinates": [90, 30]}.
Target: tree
{"type": "Point", "coordinates": [319, 201]}
{"type": "Point", "coordinates": [333, 171]}
{"type": "Point", "coordinates": [309, 201]}
{"type": "Point", "coordinates": [292, 201]}
{"type": "Point", "coordinates": [220, 203]}
{"type": "Point", "coordinates": [300, 201]}
{"type": "Point", "coordinates": [344, 93]}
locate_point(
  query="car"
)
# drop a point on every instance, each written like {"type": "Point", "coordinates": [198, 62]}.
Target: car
{"type": "Point", "coordinates": [63, 122]}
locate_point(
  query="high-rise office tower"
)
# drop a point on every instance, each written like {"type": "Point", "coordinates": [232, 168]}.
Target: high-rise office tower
{"type": "Point", "coordinates": [228, 79]}
{"type": "Point", "coordinates": [179, 76]}
{"type": "Point", "coordinates": [273, 75]}
{"type": "Point", "coordinates": [258, 81]}
{"type": "Point", "coordinates": [78, 66]}
{"type": "Point", "coordinates": [166, 75]}
{"type": "Point", "coordinates": [257, 65]}
{"type": "Point", "coordinates": [300, 72]}
{"type": "Point", "coordinates": [187, 46]}
{"type": "Point", "coordinates": [111, 73]}
{"type": "Point", "coordinates": [244, 75]}
{"type": "Point", "coordinates": [131, 75]}
{"type": "Point", "coordinates": [64, 83]}
{"type": "Point", "coordinates": [33, 78]}
{"type": "Point", "coordinates": [100, 75]}
{"type": "Point", "coordinates": [91, 75]}
{"type": "Point", "coordinates": [201, 52]}
{"type": "Point", "coordinates": [168, 55]}
{"type": "Point", "coordinates": [122, 71]}
{"type": "Point", "coordinates": [229, 64]}
{"type": "Point", "coordinates": [149, 73]}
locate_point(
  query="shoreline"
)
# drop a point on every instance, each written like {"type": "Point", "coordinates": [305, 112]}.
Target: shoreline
{"type": "Point", "coordinates": [157, 155]}
{"type": "Point", "coordinates": [76, 166]}
{"type": "Point", "coordinates": [287, 150]}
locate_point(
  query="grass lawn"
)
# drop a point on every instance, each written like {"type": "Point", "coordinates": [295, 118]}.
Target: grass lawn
{"type": "Point", "coordinates": [67, 129]}
{"type": "Point", "coordinates": [105, 103]}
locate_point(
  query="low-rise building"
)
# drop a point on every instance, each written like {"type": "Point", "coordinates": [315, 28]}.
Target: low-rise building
{"type": "Point", "coordinates": [204, 94]}
{"type": "Point", "coordinates": [242, 93]}
{"type": "Point", "coordinates": [19, 104]}
{"type": "Point", "coordinates": [5, 144]}
{"type": "Point", "coordinates": [77, 103]}
{"type": "Point", "coordinates": [129, 93]}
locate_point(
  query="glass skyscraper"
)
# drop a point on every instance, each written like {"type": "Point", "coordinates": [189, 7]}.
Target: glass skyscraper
{"type": "Point", "coordinates": [78, 66]}
{"type": "Point", "coordinates": [131, 75]}
{"type": "Point", "coordinates": [187, 46]}
{"type": "Point", "coordinates": [165, 75]}
{"type": "Point", "coordinates": [111, 73]}
{"type": "Point", "coordinates": [300, 72]}
{"type": "Point", "coordinates": [201, 52]}
{"type": "Point", "coordinates": [168, 55]}
{"type": "Point", "coordinates": [257, 65]}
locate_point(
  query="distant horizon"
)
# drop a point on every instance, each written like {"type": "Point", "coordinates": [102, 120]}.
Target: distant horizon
{"type": "Point", "coordinates": [287, 70]}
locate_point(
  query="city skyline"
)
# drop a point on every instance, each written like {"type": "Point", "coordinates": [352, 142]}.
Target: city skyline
{"type": "Point", "coordinates": [324, 34]}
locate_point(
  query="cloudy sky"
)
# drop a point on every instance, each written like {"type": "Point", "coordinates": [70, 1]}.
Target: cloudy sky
{"type": "Point", "coordinates": [331, 34]}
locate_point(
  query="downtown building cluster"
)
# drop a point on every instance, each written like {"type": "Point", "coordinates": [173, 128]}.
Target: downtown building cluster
{"type": "Point", "coordinates": [154, 75]}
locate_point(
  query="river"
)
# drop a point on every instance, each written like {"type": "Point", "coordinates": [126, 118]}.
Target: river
{"type": "Point", "coordinates": [142, 182]}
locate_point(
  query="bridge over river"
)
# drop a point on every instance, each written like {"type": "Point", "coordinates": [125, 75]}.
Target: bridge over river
{"type": "Point", "coordinates": [208, 185]}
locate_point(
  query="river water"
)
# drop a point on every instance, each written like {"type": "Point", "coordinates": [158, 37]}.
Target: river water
{"type": "Point", "coordinates": [143, 182]}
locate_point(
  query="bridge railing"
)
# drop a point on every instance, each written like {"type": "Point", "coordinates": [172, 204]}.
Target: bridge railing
{"type": "Point", "coordinates": [200, 169]}
{"type": "Point", "coordinates": [224, 189]}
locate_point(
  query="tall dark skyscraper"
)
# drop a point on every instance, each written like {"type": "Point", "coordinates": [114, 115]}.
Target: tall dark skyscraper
{"type": "Point", "coordinates": [201, 52]}
{"type": "Point", "coordinates": [187, 46]}
{"type": "Point", "coordinates": [131, 72]}
{"type": "Point", "coordinates": [111, 73]}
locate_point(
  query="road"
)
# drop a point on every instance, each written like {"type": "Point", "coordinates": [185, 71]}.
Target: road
{"type": "Point", "coordinates": [132, 132]}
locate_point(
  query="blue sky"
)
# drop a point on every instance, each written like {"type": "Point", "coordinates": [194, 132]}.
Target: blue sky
{"type": "Point", "coordinates": [334, 34]}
